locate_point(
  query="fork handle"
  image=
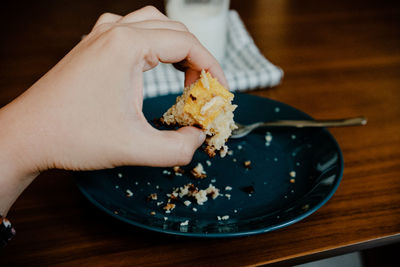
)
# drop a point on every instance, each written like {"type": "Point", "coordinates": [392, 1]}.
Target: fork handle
{"type": "Point", "coordinates": [318, 123]}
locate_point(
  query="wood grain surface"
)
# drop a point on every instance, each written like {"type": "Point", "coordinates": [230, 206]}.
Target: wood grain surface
{"type": "Point", "coordinates": [341, 58]}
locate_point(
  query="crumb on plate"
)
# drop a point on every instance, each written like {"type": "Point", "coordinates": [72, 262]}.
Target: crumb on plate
{"type": "Point", "coordinates": [185, 223]}
{"type": "Point", "coordinates": [169, 207]}
{"type": "Point", "coordinates": [223, 218]}
{"type": "Point", "coordinates": [152, 196]}
{"type": "Point", "coordinates": [247, 164]}
{"type": "Point", "coordinates": [128, 193]}
{"type": "Point", "coordinates": [198, 171]}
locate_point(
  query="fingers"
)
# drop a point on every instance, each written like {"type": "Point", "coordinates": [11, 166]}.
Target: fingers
{"type": "Point", "coordinates": [145, 13]}
{"type": "Point", "coordinates": [170, 46]}
{"type": "Point", "coordinates": [160, 24]}
{"type": "Point", "coordinates": [141, 15]}
{"type": "Point", "coordinates": [170, 42]}
{"type": "Point", "coordinates": [107, 18]}
{"type": "Point", "coordinates": [171, 148]}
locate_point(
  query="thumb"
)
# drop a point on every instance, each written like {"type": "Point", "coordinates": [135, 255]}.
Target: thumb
{"type": "Point", "coordinates": [174, 148]}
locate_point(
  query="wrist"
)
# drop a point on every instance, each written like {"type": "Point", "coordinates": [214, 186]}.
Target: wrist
{"type": "Point", "coordinates": [16, 169]}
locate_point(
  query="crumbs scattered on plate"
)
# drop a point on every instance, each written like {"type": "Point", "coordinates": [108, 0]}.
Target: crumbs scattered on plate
{"type": "Point", "coordinates": [166, 172]}
{"type": "Point", "coordinates": [152, 196]}
{"type": "Point", "coordinates": [178, 171]}
{"type": "Point", "coordinates": [169, 207]}
{"type": "Point", "coordinates": [268, 139]}
{"type": "Point", "coordinates": [189, 194]}
{"type": "Point", "coordinates": [185, 223]}
{"type": "Point", "coordinates": [223, 218]}
{"type": "Point", "coordinates": [247, 164]}
{"type": "Point", "coordinates": [200, 195]}
{"type": "Point", "coordinates": [198, 171]}
{"type": "Point", "coordinates": [293, 174]}
{"type": "Point", "coordinates": [128, 193]}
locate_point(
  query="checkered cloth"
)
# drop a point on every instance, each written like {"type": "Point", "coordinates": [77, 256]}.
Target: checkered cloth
{"type": "Point", "coordinates": [244, 66]}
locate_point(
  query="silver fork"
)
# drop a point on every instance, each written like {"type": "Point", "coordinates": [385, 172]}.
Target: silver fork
{"type": "Point", "coordinates": [244, 130]}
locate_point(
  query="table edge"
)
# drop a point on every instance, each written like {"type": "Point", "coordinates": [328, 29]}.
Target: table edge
{"type": "Point", "coordinates": [331, 252]}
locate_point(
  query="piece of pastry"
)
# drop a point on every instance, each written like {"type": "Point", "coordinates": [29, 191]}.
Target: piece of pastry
{"type": "Point", "coordinates": [208, 105]}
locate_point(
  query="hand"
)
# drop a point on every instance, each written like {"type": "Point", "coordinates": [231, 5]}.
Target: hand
{"type": "Point", "coordinates": [86, 112]}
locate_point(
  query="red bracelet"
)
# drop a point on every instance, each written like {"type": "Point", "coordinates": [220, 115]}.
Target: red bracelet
{"type": "Point", "coordinates": [7, 232]}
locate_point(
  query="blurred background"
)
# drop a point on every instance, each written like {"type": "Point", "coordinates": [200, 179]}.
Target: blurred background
{"type": "Point", "coordinates": [299, 36]}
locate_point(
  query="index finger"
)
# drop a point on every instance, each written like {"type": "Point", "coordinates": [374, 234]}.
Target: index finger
{"type": "Point", "coordinates": [170, 46]}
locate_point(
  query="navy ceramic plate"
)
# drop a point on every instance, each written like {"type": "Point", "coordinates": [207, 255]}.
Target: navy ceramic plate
{"type": "Point", "coordinates": [290, 177]}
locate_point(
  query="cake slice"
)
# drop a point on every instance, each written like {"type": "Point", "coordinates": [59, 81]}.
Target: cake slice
{"type": "Point", "coordinates": [208, 105]}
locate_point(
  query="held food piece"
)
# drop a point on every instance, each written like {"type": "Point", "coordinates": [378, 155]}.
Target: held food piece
{"type": "Point", "coordinates": [208, 105]}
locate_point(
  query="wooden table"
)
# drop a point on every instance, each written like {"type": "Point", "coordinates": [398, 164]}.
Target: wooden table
{"type": "Point", "coordinates": [341, 58]}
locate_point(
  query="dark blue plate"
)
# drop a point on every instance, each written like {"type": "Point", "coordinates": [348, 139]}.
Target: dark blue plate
{"type": "Point", "coordinates": [311, 157]}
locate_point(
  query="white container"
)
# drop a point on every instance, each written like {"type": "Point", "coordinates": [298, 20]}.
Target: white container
{"type": "Point", "coordinates": [206, 19]}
